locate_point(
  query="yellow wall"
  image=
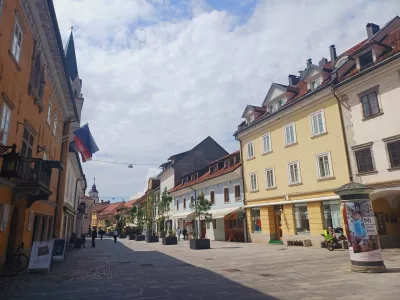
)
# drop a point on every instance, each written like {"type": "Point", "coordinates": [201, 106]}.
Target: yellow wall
{"type": "Point", "coordinates": [94, 219]}
{"type": "Point", "coordinates": [304, 151]}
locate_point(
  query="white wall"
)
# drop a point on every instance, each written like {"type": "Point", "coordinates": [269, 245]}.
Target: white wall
{"type": "Point", "coordinates": [361, 131]}
{"type": "Point", "coordinates": [167, 180]}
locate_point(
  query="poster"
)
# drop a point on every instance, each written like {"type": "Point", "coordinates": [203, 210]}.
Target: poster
{"type": "Point", "coordinates": [59, 249]}
{"type": "Point", "coordinates": [361, 232]}
{"type": "Point", "coordinates": [41, 255]}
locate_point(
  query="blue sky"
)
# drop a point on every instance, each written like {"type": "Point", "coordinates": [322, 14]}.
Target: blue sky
{"type": "Point", "coordinates": [160, 76]}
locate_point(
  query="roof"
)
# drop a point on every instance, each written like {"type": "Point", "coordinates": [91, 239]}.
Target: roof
{"type": "Point", "coordinates": [224, 157]}
{"type": "Point", "coordinates": [70, 58]}
{"type": "Point", "coordinates": [129, 204]}
{"type": "Point", "coordinates": [111, 209]}
{"type": "Point", "coordinates": [99, 206]}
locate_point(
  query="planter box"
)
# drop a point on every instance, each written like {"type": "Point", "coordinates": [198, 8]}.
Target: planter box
{"type": "Point", "coordinates": [171, 240]}
{"type": "Point", "coordinates": [132, 237]}
{"type": "Point", "coordinates": [162, 234]}
{"type": "Point", "coordinates": [140, 237]}
{"type": "Point", "coordinates": [197, 244]}
{"type": "Point", "coordinates": [152, 239]}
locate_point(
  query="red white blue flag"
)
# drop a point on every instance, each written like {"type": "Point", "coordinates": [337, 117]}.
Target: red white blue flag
{"type": "Point", "coordinates": [84, 143]}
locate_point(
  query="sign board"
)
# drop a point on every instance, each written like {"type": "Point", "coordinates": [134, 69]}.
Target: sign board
{"type": "Point", "coordinates": [59, 249]}
{"type": "Point", "coordinates": [41, 256]}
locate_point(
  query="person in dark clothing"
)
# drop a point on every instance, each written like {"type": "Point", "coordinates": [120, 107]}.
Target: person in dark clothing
{"type": "Point", "coordinates": [184, 233]}
{"type": "Point", "coordinates": [94, 236]}
{"type": "Point", "coordinates": [101, 232]}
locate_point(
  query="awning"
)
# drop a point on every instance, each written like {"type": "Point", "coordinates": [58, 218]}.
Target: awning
{"type": "Point", "coordinates": [293, 201]}
{"type": "Point", "coordinates": [220, 213]}
{"type": "Point", "coordinates": [182, 215]}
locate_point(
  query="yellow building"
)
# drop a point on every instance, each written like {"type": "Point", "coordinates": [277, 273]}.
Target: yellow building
{"type": "Point", "coordinates": [294, 158]}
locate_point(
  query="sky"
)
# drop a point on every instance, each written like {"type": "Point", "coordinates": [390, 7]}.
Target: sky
{"type": "Point", "coordinates": [160, 76]}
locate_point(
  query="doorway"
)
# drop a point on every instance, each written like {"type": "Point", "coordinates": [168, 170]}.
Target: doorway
{"type": "Point", "coordinates": [278, 209]}
{"type": "Point", "coordinates": [12, 237]}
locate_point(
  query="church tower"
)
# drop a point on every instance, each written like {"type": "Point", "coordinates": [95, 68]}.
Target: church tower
{"type": "Point", "coordinates": [94, 193]}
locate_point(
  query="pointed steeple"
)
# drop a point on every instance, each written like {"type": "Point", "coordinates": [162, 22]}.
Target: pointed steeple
{"type": "Point", "coordinates": [70, 57]}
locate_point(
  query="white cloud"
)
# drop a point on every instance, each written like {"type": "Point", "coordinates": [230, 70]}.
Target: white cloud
{"type": "Point", "coordinates": [159, 79]}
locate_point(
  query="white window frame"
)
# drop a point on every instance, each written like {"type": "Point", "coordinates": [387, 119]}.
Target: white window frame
{"type": "Point", "coordinates": [252, 150]}
{"type": "Point", "coordinates": [49, 113]}
{"type": "Point", "coordinates": [328, 154]}
{"type": "Point", "coordinates": [266, 178]}
{"type": "Point", "coordinates": [297, 162]}
{"type": "Point", "coordinates": [323, 123]}
{"type": "Point", "coordinates": [16, 52]}
{"type": "Point", "coordinates": [55, 125]}
{"type": "Point", "coordinates": [265, 151]}
{"type": "Point", "coordinates": [5, 121]}
{"type": "Point", "coordinates": [294, 134]}
{"type": "Point", "coordinates": [255, 189]}
{"type": "Point", "coordinates": [229, 198]}
{"type": "Point", "coordinates": [250, 119]}
{"type": "Point", "coordinates": [209, 195]}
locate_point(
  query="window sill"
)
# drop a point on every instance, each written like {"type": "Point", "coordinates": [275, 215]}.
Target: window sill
{"type": "Point", "coordinates": [295, 184]}
{"type": "Point", "coordinates": [319, 135]}
{"type": "Point", "coordinates": [373, 116]}
{"type": "Point", "coordinates": [291, 145]}
{"type": "Point", "coordinates": [394, 169]}
{"type": "Point", "coordinates": [271, 188]}
{"type": "Point", "coordinates": [367, 173]}
{"type": "Point", "coordinates": [251, 158]}
{"type": "Point", "coordinates": [266, 153]}
{"type": "Point", "coordinates": [238, 199]}
{"type": "Point", "coordinates": [326, 178]}
{"type": "Point", "coordinates": [14, 60]}
{"type": "Point", "coordinates": [227, 202]}
{"type": "Point", "coordinates": [254, 191]}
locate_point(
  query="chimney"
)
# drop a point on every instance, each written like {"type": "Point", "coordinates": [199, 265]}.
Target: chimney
{"type": "Point", "coordinates": [372, 29]}
{"type": "Point", "coordinates": [332, 49]}
{"type": "Point", "coordinates": [293, 79]}
{"type": "Point", "coordinates": [309, 62]}
{"type": "Point", "coordinates": [323, 62]}
{"type": "Point", "coordinates": [101, 201]}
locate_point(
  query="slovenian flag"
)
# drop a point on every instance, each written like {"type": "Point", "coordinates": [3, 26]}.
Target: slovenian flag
{"type": "Point", "coordinates": [84, 143]}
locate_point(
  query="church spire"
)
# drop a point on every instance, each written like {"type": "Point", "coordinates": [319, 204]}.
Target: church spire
{"type": "Point", "coordinates": [70, 57]}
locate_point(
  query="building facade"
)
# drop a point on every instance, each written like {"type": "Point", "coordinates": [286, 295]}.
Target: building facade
{"type": "Point", "coordinates": [221, 183]}
{"type": "Point", "coordinates": [37, 105]}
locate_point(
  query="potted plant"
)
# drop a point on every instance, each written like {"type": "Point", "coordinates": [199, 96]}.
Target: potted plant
{"type": "Point", "coordinates": [140, 215]}
{"type": "Point", "coordinates": [171, 239]}
{"type": "Point", "coordinates": [163, 208]}
{"type": "Point", "coordinates": [201, 207]}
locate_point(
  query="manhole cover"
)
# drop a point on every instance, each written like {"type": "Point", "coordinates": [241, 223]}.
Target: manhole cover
{"type": "Point", "coordinates": [232, 270]}
{"type": "Point", "coordinates": [146, 265]}
{"type": "Point", "coordinates": [266, 275]}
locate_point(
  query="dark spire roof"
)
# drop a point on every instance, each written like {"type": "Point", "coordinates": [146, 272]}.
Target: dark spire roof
{"type": "Point", "coordinates": [70, 57]}
{"type": "Point", "coordinates": [94, 188]}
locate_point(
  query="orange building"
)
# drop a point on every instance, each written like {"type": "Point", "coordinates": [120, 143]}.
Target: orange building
{"type": "Point", "coordinates": [37, 106]}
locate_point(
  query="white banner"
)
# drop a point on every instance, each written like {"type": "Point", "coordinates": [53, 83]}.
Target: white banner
{"type": "Point", "coordinates": [41, 255]}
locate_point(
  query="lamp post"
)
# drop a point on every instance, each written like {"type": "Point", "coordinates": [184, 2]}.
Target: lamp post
{"type": "Point", "coordinates": [10, 166]}
{"type": "Point", "coordinates": [365, 251]}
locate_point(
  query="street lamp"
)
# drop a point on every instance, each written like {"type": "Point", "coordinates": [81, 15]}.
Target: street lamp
{"type": "Point", "coordinates": [11, 161]}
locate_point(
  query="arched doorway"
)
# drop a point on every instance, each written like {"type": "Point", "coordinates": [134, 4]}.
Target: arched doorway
{"type": "Point", "coordinates": [12, 236]}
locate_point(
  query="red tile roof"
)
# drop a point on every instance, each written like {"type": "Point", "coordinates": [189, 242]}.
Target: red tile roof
{"type": "Point", "coordinates": [129, 204]}
{"type": "Point", "coordinates": [99, 206]}
{"type": "Point", "coordinates": [111, 209]}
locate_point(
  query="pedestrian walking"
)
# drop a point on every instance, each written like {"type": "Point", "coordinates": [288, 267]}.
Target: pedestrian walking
{"type": "Point", "coordinates": [184, 233]}
{"type": "Point", "coordinates": [101, 233]}
{"type": "Point", "coordinates": [178, 233]}
{"type": "Point", "coordinates": [115, 234]}
{"type": "Point", "coordinates": [94, 236]}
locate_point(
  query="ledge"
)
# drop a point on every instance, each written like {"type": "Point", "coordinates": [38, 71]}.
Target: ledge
{"type": "Point", "coordinates": [14, 60]}
{"type": "Point", "coordinates": [291, 145]}
{"type": "Point", "coordinates": [373, 116]}
{"type": "Point", "coordinates": [326, 178]}
{"type": "Point", "coordinates": [394, 169]}
{"type": "Point", "coordinates": [255, 191]}
{"type": "Point", "coordinates": [367, 173]}
{"type": "Point", "coordinates": [251, 158]}
{"type": "Point", "coordinates": [296, 184]}
{"type": "Point", "coordinates": [266, 153]}
{"type": "Point", "coordinates": [319, 135]}
{"type": "Point", "coordinates": [237, 199]}
{"type": "Point", "coordinates": [271, 188]}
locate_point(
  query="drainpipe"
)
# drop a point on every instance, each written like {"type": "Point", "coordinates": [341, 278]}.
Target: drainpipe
{"type": "Point", "coordinates": [344, 134]}
{"type": "Point", "coordinates": [246, 233]}
{"type": "Point", "coordinates": [198, 222]}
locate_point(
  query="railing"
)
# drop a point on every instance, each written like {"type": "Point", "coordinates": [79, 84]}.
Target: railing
{"type": "Point", "coordinates": [34, 171]}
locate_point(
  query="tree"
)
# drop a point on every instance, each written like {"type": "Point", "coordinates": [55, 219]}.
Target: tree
{"type": "Point", "coordinates": [140, 217]}
{"type": "Point", "coordinates": [164, 206]}
{"type": "Point", "coordinates": [201, 207]}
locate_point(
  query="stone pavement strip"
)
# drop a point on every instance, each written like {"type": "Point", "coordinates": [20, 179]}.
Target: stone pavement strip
{"type": "Point", "coordinates": [138, 270]}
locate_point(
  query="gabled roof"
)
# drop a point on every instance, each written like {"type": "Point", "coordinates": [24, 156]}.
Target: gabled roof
{"type": "Point", "coordinates": [98, 207]}
{"type": "Point", "coordinates": [70, 58]}
{"type": "Point", "coordinates": [274, 86]}
{"type": "Point", "coordinates": [309, 71]}
{"type": "Point", "coordinates": [111, 209]}
{"type": "Point", "coordinates": [251, 108]}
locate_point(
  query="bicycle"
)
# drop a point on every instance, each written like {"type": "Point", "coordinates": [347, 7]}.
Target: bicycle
{"type": "Point", "coordinates": [19, 260]}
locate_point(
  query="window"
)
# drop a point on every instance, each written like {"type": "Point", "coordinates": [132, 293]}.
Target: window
{"type": "Point", "coordinates": [5, 123]}
{"type": "Point", "coordinates": [55, 125]}
{"type": "Point", "coordinates": [194, 176]}
{"type": "Point", "coordinates": [213, 169]}
{"type": "Point", "coordinates": [191, 199]}
{"type": "Point", "coordinates": [255, 220]}
{"type": "Point", "coordinates": [364, 160]}
{"type": "Point", "coordinates": [226, 195]}
{"type": "Point", "coordinates": [294, 172]}
{"type": "Point", "coordinates": [177, 204]}
{"type": "Point", "coordinates": [27, 144]}
{"type": "Point", "coordinates": [212, 197]}
{"type": "Point", "coordinates": [49, 113]}
{"type": "Point", "coordinates": [314, 84]}
{"type": "Point", "coordinates": [214, 222]}
{"type": "Point", "coordinates": [17, 41]}
{"type": "Point", "coordinates": [184, 203]}
{"type": "Point", "coordinates": [318, 123]}
{"type": "Point", "coordinates": [266, 143]}
{"type": "Point", "coordinates": [290, 134]}
{"type": "Point", "coordinates": [332, 217]}
{"type": "Point", "coordinates": [370, 104]}
{"type": "Point", "coordinates": [253, 182]}
{"type": "Point", "coordinates": [282, 102]}
{"type": "Point", "coordinates": [324, 165]}
{"type": "Point", "coordinates": [301, 218]}
{"type": "Point", "coordinates": [394, 153]}
{"type": "Point", "coordinates": [366, 59]}
{"type": "Point", "coordinates": [237, 192]}
{"type": "Point", "coordinates": [250, 150]}
{"type": "Point", "coordinates": [270, 178]}
{"type": "Point", "coordinates": [250, 119]}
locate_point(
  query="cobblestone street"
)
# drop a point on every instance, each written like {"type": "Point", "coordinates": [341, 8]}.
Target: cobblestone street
{"type": "Point", "coordinates": [137, 270]}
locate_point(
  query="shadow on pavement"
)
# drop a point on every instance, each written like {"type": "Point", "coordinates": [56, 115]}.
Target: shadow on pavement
{"type": "Point", "coordinates": [114, 271]}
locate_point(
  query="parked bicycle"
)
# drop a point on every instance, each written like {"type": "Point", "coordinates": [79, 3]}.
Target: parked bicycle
{"type": "Point", "coordinates": [19, 260]}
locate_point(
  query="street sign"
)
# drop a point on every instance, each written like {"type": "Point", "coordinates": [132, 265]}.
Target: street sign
{"type": "Point", "coordinates": [41, 256]}
{"type": "Point", "coordinates": [59, 249]}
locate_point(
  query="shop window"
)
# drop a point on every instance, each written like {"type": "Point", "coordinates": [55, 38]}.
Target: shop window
{"type": "Point", "coordinates": [255, 220]}
{"type": "Point", "coordinates": [332, 217]}
{"type": "Point", "coordinates": [301, 218]}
